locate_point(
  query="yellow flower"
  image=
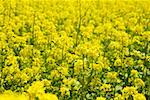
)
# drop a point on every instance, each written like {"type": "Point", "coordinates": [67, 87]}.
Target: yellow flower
{"type": "Point", "coordinates": [146, 35]}
{"type": "Point", "coordinates": [114, 45]}
{"type": "Point", "coordinates": [37, 87]}
{"type": "Point", "coordinates": [139, 82]}
{"type": "Point", "coordinates": [139, 96]}
{"type": "Point", "coordinates": [46, 82]}
{"type": "Point", "coordinates": [64, 91]}
{"type": "Point", "coordinates": [105, 87]}
{"type": "Point", "coordinates": [97, 67]}
{"type": "Point", "coordinates": [24, 77]}
{"type": "Point", "coordinates": [78, 66]}
{"type": "Point", "coordinates": [64, 71]}
{"type": "Point", "coordinates": [112, 77]}
{"type": "Point", "coordinates": [54, 74]}
{"type": "Point", "coordinates": [129, 61]}
{"type": "Point", "coordinates": [47, 96]}
{"type": "Point", "coordinates": [9, 95]}
{"type": "Point", "coordinates": [100, 98]}
{"type": "Point", "coordinates": [127, 91]}
{"type": "Point", "coordinates": [118, 97]}
{"type": "Point", "coordinates": [118, 62]}
{"type": "Point", "coordinates": [134, 73]}
{"type": "Point", "coordinates": [11, 60]}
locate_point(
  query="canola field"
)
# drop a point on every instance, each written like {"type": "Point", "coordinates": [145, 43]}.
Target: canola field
{"type": "Point", "coordinates": [74, 50]}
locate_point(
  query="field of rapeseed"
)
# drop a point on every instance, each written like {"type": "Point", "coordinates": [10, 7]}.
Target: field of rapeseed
{"type": "Point", "coordinates": [74, 50]}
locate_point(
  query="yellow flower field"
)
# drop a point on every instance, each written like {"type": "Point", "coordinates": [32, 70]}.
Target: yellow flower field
{"type": "Point", "coordinates": [74, 50]}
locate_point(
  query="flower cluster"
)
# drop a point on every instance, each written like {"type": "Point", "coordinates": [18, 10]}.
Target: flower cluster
{"type": "Point", "coordinates": [74, 50]}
